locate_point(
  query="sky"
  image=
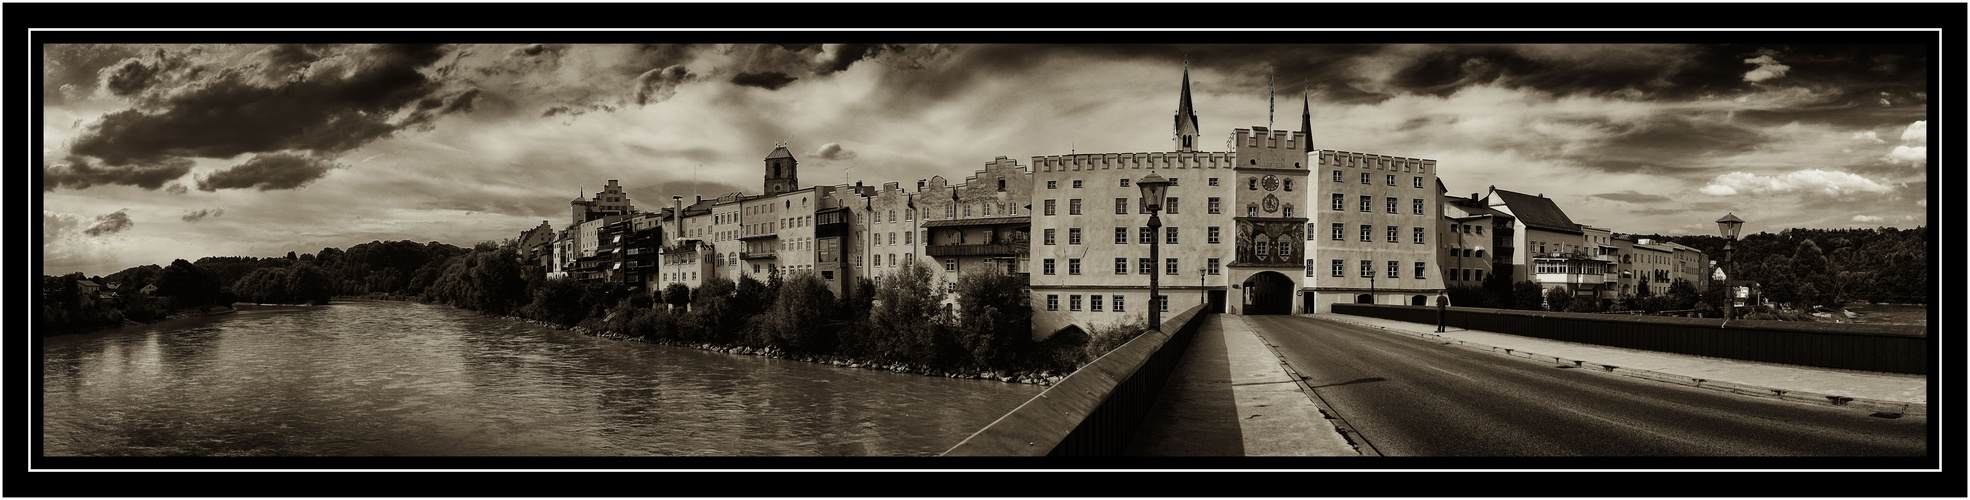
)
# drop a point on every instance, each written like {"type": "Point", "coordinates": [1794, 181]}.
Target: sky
{"type": "Point", "coordinates": [151, 153]}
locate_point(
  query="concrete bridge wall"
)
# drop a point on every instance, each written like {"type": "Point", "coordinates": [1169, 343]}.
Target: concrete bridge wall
{"type": "Point", "coordinates": [1884, 348]}
{"type": "Point", "coordinates": [1096, 409]}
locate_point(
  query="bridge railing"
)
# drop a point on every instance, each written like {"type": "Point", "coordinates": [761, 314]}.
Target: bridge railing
{"type": "Point", "coordinates": [1095, 410]}
{"type": "Point", "coordinates": [1884, 348]}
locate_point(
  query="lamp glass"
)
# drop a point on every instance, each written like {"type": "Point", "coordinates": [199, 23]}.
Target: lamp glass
{"type": "Point", "coordinates": [1153, 187]}
{"type": "Point", "coordinates": [1729, 225]}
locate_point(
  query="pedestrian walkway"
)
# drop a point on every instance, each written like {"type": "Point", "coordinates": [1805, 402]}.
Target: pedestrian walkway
{"type": "Point", "coordinates": [1231, 396]}
{"type": "Point", "coordinates": [1869, 391]}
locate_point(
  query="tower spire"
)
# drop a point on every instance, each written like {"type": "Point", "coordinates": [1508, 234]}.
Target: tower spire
{"type": "Point", "coordinates": [1268, 97]}
{"type": "Point", "coordinates": [1306, 116]}
{"type": "Point", "coordinates": [1186, 118]}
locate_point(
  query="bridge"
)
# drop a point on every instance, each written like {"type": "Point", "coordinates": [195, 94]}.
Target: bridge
{"type": "Point", "coordinates": [1380, 380]}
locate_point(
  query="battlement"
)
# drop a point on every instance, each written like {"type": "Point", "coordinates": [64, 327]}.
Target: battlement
{"type": "Point", "coordinates": [1111, 161]}
{"type": "Point", "coordinates": [1349, 159]}
{"type": "Point", "coordinates": [1261, 137]}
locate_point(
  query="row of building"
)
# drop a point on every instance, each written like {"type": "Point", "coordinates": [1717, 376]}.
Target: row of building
{"type": "Point", "coordinates": [1274, 225]}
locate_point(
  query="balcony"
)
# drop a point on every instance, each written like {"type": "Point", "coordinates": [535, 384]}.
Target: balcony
{"type": "Point", "coordinates": [760, 236]}
{"type": "Point", "coordinates": [984, 221]}
{"type": "Point", "coordinates": [760, 254]}
{"type": "Point", "coordinates": [1576, 279]}
{"type": "Point", "coordinates": [970, 250]}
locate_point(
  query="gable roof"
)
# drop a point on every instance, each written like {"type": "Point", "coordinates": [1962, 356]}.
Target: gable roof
{"type": "Point", "coordinates": [779, 152]}
{"type": "Point", "coordinates": [1537, 211]}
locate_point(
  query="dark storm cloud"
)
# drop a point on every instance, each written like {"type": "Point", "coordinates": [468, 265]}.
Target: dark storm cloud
{"type": "Point", "coordinates": [658, 85]}
{"type": "Point", "coordinates": [111, 223]}
{"type": "Point", "coordinates": [268, 172]}
{"type": "Point", "coordinates": [847, 55]}
{"type": "Point", "coordinates": [71, 71]}
{"type": "Point", "coordinates": [201, 214]}
{"type": "Point", "coordinates": [176, 188]}
{"type": "Point", "coordinates": [1632, 197]}
{"type": "Point", "coordinates": [227, 115]}
{"type": "Point", "coordinates": [576, 109]}
{"type": "Point", "coordinates": [79, 173]}
{"type": "Point", "coordinates": [770, 80]}
{"type": "Point", "coordinates": [535, 50]}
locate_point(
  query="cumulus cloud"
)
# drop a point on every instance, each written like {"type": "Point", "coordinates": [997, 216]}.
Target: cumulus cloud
{"type": "Point", "coordinates": [1767, 69]}
{"type": "Point", "coordinates": [111, 223]}
{"type": "Point", "coordinates": [769, 80]}
{"type": "Point", "coordinates": [837, 57]}
{"type": "Point", "coordinates": [1804, 181]}
{"type": "Point", "coordinates": [1916, 132]}
{"type": "Point", "coordinates": [660, 84]}
{"type": "Point", "coordinates": [1867, 218]}
{"type": "Point", "coordinates": [331, 105]}
{"type": "Point", "coordinates": [1868, 136]}
{"type": "Point", "coordinates": [268, 172]}
{"type": "Point", "coordinates": [201, 214]}
{"type": "Point", "coordinates": [78, 173]}
{"type": "Point", "coordinates": [1918, 154]}
{"type": "Point", "coordinates": [833, 151]}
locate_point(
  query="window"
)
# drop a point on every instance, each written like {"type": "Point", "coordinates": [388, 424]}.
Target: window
{"type": "Point", "coordinates": [1118, 303]}
{"type": "Point", "coordinates": [909, 237]}
{"type": "Point", "coordinates": [1365, 177]}
{"type": "Point", "coordinates": [1418, 233]}
{"type": "Point", "coordinates": [1211, 266]}
{"type": "Point", "coordinates": [1395, 269]}
{"type": "Point", "coordinates": [1258, 247]}
{"type": "Point", "coordinates": [1094, 303]}
{"type": "Point", "coordinates": [1122, 205]}
{"type": "Point", "coordinates": [1121, 265]}
{"type": "Point", "coordinates": [1125, 182]}
{"type": "Point", "coordinates": [1480, 253]}
{"type": "Point", "coordinates": [1419, 270]}
{"type": "Point", "coordinates": [1288, 210]}
{"type": "Point", "coordinates": [1214, 182]}
{"type": "Point", "coordinates": [1466, 274]}
{"type": "Point", "coordinates": [1073, 302]}
{"type": "Point", "coordinates": [1391, 204]}
{"type": "Point", "coordinates": [1337, 176]}
{"type": "Point", "coordinates": [1163, 302]}
{"type": "Point", "coordinates": [1339, 268]}
{"type": "Point", "coordinates": [1073, 236]}
{"type": "Point", "coordinates": [1285, 248]}
{"type": "Point", "coordinates": [1252, 210]}
{"type": "Point", "coordinates": [1367, 232]}
{"type": "Point", "coordinates": [1121, 236]}
{"type": "Point", "coordinates": [892, 237]}
{"type": "Point", "coordinates": [1213, 235]}
{"type": "Point", "coordinates": [1046, 267]}
{"type": "Point", "coordinates": [1480, 230]}
{"type": "Point", "coordinates": [1367, 203]}
{"type": "Point", "coordinates": [1213, 205]}
{"type": "Point", "coordinates": [1417, 204]}
{"type": "Point", "coordinates": [1002, 185]}
{"type": "Point", "coordinates": [1169, 266]}
{"type": "Point", "coordinates": [1340, 202]}
{"type": "Point", "coordinates": [1053, 185]}
{"type": "Point", "coordinates": [986, 208]}
{"type": "Point", "coordinates": [1391, 179]}
{"type": "Point", "coordinates": [1074, 266]}
{"type": "Point", "coordinates": [1309, 268]}
{"type": "Point", "coordinates": [1392, 237]}
{"type": "Point", "coordinates": [951, 265]}
{"type": "Point", "coordinates": [1367, 269]}
{"type": "Point", "coordinates": [1143, 235]}
{"type": "Point", "coordinates": [1145, 266]}
{"type": "Point", "coordinates": [1338, 228]}
{"type": "Point", "coordinates": [1012, 209]}
{"type": "Point", "coordinates": [1289, 184]}
{"type": "Point", "coordinates": [1046, 237]}
{"type": "Point", "coordinates": [1170, 205]}
{"type": "Point", "coordinates": [1170, 235]}
{"type": "Point", "coordinates": [1479, 275]}
{"type": "Point", "coordinates": [1252, 184]}
{"type": "Point", "coordinates": [967, 211]}
{"type": "Point", "coordinates": [1419, 182]}
{"type": "Point", "coordinates": [1074, 205]}
{"type": "Point", "coordinates": [1077, 183]}
{"type": "Point", "coordinates": [951, 211]}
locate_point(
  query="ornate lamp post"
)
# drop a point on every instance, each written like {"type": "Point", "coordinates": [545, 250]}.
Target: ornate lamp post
{"type": "Point", "coordinates": [1153, 187]}
{"type": "Point", "coordinates": [1728, 226]}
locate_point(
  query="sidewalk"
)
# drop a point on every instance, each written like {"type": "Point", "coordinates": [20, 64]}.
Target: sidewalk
{"type": "Point", "coordinates": [1868, 391]}
{"type": "Point", "coordinates": [1231, 396]}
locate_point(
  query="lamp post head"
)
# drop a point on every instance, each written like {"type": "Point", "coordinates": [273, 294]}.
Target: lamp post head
{"type": "Point", "coordinates": [1153, 187]}
{"type": "Point", "coordinates": [1729, 225]}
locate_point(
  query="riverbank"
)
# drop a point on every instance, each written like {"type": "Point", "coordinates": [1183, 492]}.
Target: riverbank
{"type": "Point", "coordinates": [173, 317]}
{"type": "Point", "coordinates": [1041, 378]}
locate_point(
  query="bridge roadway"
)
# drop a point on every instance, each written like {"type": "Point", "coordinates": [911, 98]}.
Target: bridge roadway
{"type": "Point", "coordinates": [1268, 385]}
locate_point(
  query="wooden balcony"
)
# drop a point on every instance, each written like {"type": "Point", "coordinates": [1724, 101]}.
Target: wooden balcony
{"type": "Point", "coordinates": [971, 250]}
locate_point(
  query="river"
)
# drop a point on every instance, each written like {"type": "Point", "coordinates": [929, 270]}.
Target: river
{"type": "Point", "coordinates": [383, 378]}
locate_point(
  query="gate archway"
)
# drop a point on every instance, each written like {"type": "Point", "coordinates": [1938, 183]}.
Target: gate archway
{"type": "Point", "coordinates": [1268, 293]}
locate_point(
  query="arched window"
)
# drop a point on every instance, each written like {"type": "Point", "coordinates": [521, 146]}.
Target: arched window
{"type": "Point", "coordinates": [1289, 184]}
{"type": "Point", "coordinates": [1252, 184]}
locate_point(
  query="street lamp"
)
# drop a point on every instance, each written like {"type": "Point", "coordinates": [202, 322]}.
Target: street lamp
{"type": "Point", "coordinates": [1728, 226]}
{"type": "Point", "coordinates": [1153, 186]}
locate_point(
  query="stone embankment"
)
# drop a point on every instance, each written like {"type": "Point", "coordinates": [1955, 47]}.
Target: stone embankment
{"type": "Point", "coordinates": [1042, 378]}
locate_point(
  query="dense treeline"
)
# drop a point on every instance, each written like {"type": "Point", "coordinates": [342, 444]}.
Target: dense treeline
{"type": "Point", "coordinates": [1802, 268]}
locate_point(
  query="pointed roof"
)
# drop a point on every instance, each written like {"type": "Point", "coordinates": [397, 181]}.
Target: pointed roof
{"type": "Point", "coordinates": [779, 151]}
{"type": "Point", "coordinates": [1184, 110]}
{"type": "Point", "coordinates": [1537, 211]}
{"type": "Point", "coordinates": [1306, 120]}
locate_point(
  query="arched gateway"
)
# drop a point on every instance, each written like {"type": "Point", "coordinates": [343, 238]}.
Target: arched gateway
{"type": "Point", "coordinates": [1268, 293]}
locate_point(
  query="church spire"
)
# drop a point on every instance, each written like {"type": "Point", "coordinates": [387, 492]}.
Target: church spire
{"type": "Point", "coordinates": [1306, 117]}
{"type": "Point", "coordinates": [1186, 118]}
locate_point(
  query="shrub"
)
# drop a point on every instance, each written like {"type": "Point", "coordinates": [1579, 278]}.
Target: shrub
{"type": "Point", "coordinates": [1104, 338]}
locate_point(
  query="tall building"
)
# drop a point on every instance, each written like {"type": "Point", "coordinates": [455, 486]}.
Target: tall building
{"type": "Point", "coordinates": [1379, 217]}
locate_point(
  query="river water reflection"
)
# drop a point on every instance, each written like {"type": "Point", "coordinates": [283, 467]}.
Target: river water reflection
{"type": "Point", "coordinates": [380, 378]}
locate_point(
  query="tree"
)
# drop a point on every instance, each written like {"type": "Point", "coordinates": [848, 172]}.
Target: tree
{"type": "Point", "coordinates": [188, 285]}
{"type": "Point", "coordinates": [1683, 294]}
{"type": "Point", "coordinates": [906, 322]}
{"type": "Point", "coordinates": [677, 295]}
{"type": "Point", "coordinates": [1528, 296]}
{"type": "Point", "coordinates": [995, 317]}
{"type": "Point", "coordinates": [798, 318]}
{"type": "Point", "coordinates": [1558, 299]}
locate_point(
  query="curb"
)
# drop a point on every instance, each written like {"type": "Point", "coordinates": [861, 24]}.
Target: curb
{"type": "Point", "coordinates": [1876, 406]}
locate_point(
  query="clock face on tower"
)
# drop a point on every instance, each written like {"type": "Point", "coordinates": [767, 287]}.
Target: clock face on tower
{"type": "Point", "coordinates": [1271, 203]}
{"type": "Point", "coordinates": [1270, 183]}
